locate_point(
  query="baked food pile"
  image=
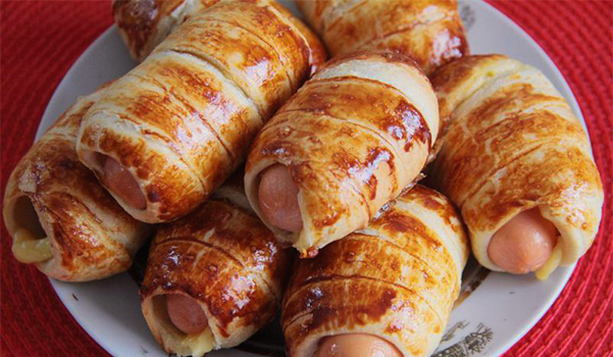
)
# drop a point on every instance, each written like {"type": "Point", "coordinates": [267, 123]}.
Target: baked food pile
{"type": "Point", "coordinates": [268, 178]}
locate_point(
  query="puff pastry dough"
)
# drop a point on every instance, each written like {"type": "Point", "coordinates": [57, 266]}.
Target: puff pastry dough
{"type": "Point", "coordinates": [397, 279]}
{"type": "Point", "coordinates": [353, 137]}
{"type": "Point", "coordinates": [60, 217]}
{"type": "Point", "coordinates": [143, 24]}
{"type": "Point", "coordinates": [511, 143]}
{"type": "Point", "coordinates": [224, 257]}
{"type": "Point", "coordinates": [182, 120]}
{"type": "Point", "coordinates": [430, 31]}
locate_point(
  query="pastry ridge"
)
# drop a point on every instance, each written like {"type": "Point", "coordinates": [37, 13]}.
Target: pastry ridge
{"type": "Point", "coordinates": [397, 279]}
{"type": "Point", "coordinates": [144, 24]}
{"type": "Point", "coordinates": [353, 137]}
{"type": "Point", "coordinates": [510, 142]}
{"type": "Point", "coordinates": [90, 236]}
{"type": "Point", "coordinates": [222, 256]}
{"type": "Point", "coordinates": [181, 121]}
{"type": "Point", "coordinates": [430, 31]}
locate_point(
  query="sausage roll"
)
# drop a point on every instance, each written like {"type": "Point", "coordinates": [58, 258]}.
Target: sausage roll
{"type": "Point", "coordinates": [516, 161]}
{"type": "Point", "coordinates": [351, 139]}
{"type": "Point", "coordinates": [430, 31]}
{"type": "Point", "coordinates": [168, 133]}
{"type": "Point", "coordinates": [388, 288]}
{"type": "Point", "coordinates": [59, 216]}
{"type": "Point", "coordinates": [143, 24]}
{"type": "Point", "coordinates": [213, 278]}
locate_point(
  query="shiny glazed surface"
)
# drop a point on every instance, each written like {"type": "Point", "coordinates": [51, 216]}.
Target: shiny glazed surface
{"type": "Point", "coordinates": [226, 259]}
{"type": "Point", "coordinates": [430, 31]}
{"type": "Point", "coordinates": [182, 120]}
{"type": "Point", "coordinates": [351, 141]}
{"type": "Point", "coordinates": [510, 143]}
{"type": "Point", "coordinates": [143, 24]}
{"type": "Point", "coordinates": [91, 237]}
{"type": "Point", "coordinates": [397, 279]}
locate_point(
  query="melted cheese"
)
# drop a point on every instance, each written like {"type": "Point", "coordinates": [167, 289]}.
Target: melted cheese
{"type": "Point", "coordinates": [200, 343]}
{"type": "Point", "coordinates": [551, 264]}
{"type": "Point", "coordinates": [27, 249]}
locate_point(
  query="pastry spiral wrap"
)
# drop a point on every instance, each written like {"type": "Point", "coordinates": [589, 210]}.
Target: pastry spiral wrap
{"type": "Point", "coordinates": [430, 31]}
{"type": "Point", "coordinates": [225, 258]}
{"type": "Point", "coordinates": [60, 217]}
{"type": "Point", "coordinates": [181, 121]}
{"type": "Point", "coordinates": [353, 137]}
{"type": "Point", "coordinates": [510, 143]}
{"type": "Point", "coordinates": [397, 279]}
{"type": "Point", "coordinates": [144, 24]}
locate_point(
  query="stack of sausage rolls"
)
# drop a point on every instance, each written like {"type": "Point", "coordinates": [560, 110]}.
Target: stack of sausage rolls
{"type": "Point", "coordinates": [333, 155]}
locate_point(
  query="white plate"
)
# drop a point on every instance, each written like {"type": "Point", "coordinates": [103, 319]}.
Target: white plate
{"type": "Point", "coordinates": [497, 314]}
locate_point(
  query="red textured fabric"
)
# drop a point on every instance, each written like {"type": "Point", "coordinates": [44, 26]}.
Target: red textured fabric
{"type": "Point", "coordinates": [40, 40]}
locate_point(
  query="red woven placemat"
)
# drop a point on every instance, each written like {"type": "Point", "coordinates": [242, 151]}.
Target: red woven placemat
{"type": "Point", "coordinates": [41, 39]}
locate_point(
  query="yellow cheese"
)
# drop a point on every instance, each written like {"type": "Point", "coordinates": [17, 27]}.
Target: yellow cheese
{"type": "Point", "coordinates": [200, 343]}
{"type": "Point", "coordinates": [27, 249]}
{"type": "Point", "coordinates": [551, 264]}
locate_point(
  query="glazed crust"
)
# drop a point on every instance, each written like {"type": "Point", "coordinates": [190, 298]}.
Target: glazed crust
{"type": "Point", "coordinates": [182, 120]}
{"type": "Point", "coordinates": [224, 257]}
{"type": "Point", "coordinates": [91, 237]}
{"type": "Point", "coordinates": [511, 143]}
{"type": "Point", "coordinates": [396, 279]}
{"type": "Point", "coordinates": [430, 31]}
{"type": "Point", "coordinates": [143, 24]}
{"type": "Point", "coordinates": [353, 137]}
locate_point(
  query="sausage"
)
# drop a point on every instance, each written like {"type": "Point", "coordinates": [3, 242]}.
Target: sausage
{"type": "Point", "coordinates": [278, 199]}
{"type": "Point", "coordinates": [185, 116]}
{"type": "Point", "coordinates": [356, 345]}
{"type": "Point", "coordinates": [523, 244]}
{"type": "Point", "coordinates": [218, 271]}
{"type": "Point", "coordinates": [61, 219]}
{"type": "Point", "coordinates": [354, 137]}
{"type": "Point", "coordinates": [386, 290]}
{"type": "Point", "coordinates": [278, 196]}
{"type": "Point", "coordinates": [504, 151]}
{"type": "Point", "coordinates": [121, 182]}
{"type": "Point", "coordinates": [186, 314]}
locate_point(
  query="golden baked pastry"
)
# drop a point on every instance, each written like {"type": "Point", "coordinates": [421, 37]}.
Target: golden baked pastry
{"type": "Point", "coordinates": [430, 31]}
{"type": "Point", "coordinates": [224, 262]}
{"type": "Point", "coordinates": [168, 133]}
{"type": "Point", "coordinates": [352, 138]}
{"type": "Point", "coordinates": [512, 145]}
{"type": "Point", "coordinates": [395, 280]}
{"type": "Point", "coordinates": [58, 215]}
{"type": "Point", "coordinates": [143, 24]}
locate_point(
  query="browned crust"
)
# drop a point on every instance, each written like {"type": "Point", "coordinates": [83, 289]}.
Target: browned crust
{"type": "Point", "coordinates": [140, 22]}
{"type": "Point", "coordinates": [145, 23]}
{"type": "Point", "coordinates": [202, 95]}
{"type": "Point", "coordinates": [430, 31]}
{"type": "Point", "coordinates": [225, 258]}
{"type": "Point", "coordinates": [351, 144]}
{"type": "Point", "coordinates": [518, 147]}
{"type": "Point", "coordinates": [373, 284]}
{"type": "Point", "coordinates": [79, 216]}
